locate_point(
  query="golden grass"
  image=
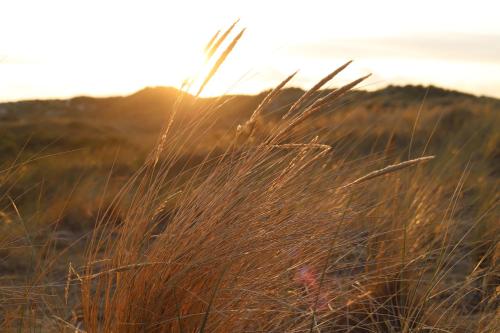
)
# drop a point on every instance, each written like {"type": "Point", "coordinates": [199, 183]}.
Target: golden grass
{"type": "Point", "coordinates": [264, 236]}
{"type": "Point", "coordinates": [272, 241]}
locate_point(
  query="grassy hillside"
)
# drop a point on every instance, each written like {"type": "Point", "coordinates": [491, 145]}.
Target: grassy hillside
{"type": "Point", "coordinates": [60, 143]}
{"type": "Point", "coordinates": [424, 237]}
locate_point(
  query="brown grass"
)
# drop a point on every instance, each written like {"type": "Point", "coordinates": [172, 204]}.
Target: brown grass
{"type": "Point", "coordinates": [264, 235]}
{"type": "Point", "coordinates": [269, 241]}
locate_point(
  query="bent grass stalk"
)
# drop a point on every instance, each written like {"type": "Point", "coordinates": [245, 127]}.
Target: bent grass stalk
{"type": "Point", "coordinates": [389, 169]}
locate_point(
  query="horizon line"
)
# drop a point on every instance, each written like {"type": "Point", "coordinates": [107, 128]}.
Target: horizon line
{"type": "Point", "coordinates": [112, 95]}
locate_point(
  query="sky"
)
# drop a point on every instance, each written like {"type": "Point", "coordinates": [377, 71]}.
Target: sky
{"type": "Point", "coordinates": [64, 48]}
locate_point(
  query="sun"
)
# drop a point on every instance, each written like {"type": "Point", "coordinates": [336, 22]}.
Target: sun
{"type": "Point", "coordinates": [203, 66]}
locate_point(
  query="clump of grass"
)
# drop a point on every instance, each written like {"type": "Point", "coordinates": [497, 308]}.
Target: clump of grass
{"type": "Point", "coordinates": [272, 240]}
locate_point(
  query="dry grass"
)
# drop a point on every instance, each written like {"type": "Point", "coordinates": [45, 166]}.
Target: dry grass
{"type": "Point", "coordinates": [272, 241]}
{"type": "Point", "coordinates": [264, 236]}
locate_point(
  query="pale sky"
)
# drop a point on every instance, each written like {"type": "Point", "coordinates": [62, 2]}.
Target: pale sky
{"type": "Point", "coordinates": [63, 48]}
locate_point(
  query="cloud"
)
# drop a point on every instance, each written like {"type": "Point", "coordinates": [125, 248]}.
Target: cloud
{"type": "Point", "coordinates": [449, 47]}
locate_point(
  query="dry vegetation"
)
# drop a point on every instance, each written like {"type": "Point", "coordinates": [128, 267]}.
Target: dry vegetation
{"type": "Point", "coordinates": [322, 211]}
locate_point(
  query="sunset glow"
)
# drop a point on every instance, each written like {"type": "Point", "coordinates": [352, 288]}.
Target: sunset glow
{"type": "Point", "coordinates": [61, 48]}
